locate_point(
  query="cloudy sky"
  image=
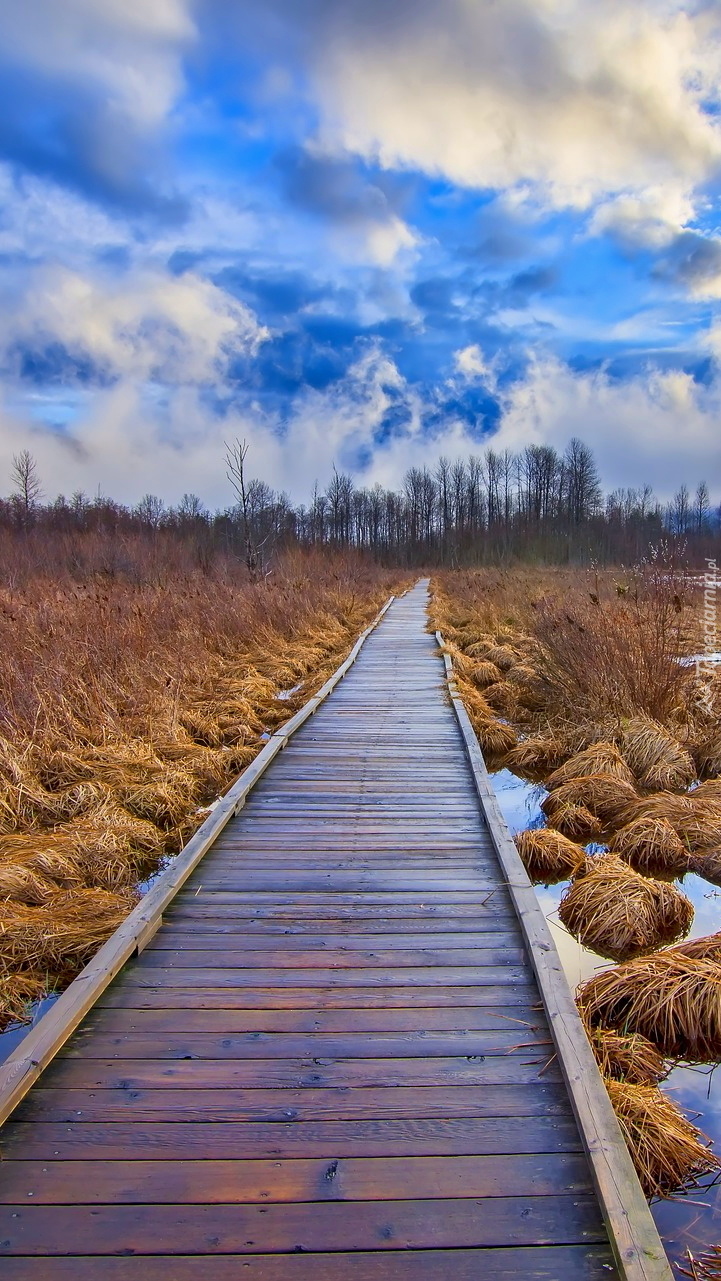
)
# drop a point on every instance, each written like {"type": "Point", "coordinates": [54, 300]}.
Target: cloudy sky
{"type": "Point", "coordinates": [360, 233]}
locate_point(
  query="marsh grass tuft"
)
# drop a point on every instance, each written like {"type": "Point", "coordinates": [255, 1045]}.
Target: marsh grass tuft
{"type": "Point", "coordinates": [616, 912]}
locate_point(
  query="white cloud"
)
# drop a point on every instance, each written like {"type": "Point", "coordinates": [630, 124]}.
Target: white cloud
{"type": "Point", "coordinates": [659, 427]}
{"type": "Point", "coordinates": [129, 50]}
{"type": "Point", "coordinates": [471, 364]}
{"type": "Point", "coordinates": [571, 100]}
{"type": "Point", "coordinates": [148, 326]}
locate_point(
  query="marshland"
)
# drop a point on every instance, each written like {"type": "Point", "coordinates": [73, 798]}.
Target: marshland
{"type": "Point", "coordinates": [605, 747]}
{"type": "Point", "coordinates": [145, 657]}
{"type": "Point", "coordinates": [136, 686]}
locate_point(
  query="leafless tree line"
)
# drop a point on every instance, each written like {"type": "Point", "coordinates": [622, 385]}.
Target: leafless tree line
{"type": "Point", "coordinates": [493, 507]}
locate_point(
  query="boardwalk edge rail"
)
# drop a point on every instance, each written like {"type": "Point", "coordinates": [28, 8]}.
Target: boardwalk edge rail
{"type": "Point", "coordinates": [41, 1043]}
{"type": "Point", "coordinates": [633, 1235]}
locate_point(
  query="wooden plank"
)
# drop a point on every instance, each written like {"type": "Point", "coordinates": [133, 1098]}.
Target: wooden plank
{"type": "Point", "coordinates": [533, 1263]}
{"type": "Point", "coordinates": [247, 1140]}
{"type": "Point", "coordinates": [172, 938]}
{"type": "Point", "coordinates": [25, 1064]}
{"type": "Point", "coordinates": [421, 1023]}
{"type": "Point", "coordinates": [408, 976]}
{"type": "Point", "coordinates": [335, 1226]}
{"type": "Point", "coordinates": [259, 1182]}
{"type": "Point", "coordinates": [312, 998]}
{"type": "Point", "coordinates": [153, 1043]}
{"type": "Point", "coordinates": [632, 1232]}
{"type": "Point", "coordinates": [329, 957]}
{"type": "Point", "coordinates": [82, 1073]}
{"type": "Point", "coordinates": [305, 1104]}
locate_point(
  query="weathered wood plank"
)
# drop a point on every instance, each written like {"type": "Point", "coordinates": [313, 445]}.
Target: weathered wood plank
{"type": "Point", "coordinates": [258, 1182]}
{"type": "Point", "coordinates": [336, 1226]}
{"type": "Point", "coordinates": [248, 1140]}
{"type": "Point", "coordinates": [306, 1104]}
{"type": "Point", "coordinates": [546, 1263]}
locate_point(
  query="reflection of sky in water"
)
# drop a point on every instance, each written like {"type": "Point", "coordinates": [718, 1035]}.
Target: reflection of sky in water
{"type": "Point", "coordinates": [692, 1221]}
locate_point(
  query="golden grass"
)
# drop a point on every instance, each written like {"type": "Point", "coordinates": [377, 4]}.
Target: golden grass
{"type": "Point", "coordinates": [502, 656]}
{"type": "Point", "coordinates": [502, 696]}
{"type": "Point", "coordinates": [576, 822]}
{"type": "Point", "coordinates": [484, 673]}
{"type": "Point", "coordinates": [599, 758]}
{"type": "Point", "coordinates": [626, 1056]}
{"type": "Point", "coordinates": [705, 1266]}
{"type": "Point", "coordinates": [672, 999]}
{"type": "Point", "coordinates": [658, 761]}
{"type": "Point", "coordinates": [706, 948]}
{"type": "Point", "coordinates": [536, 755]}
{"type": "Point", "coordinates": [650, 846]}
{"type": "Point", "coordinates": [667, 1149]}
{"type": "Point", "coordinates": [619, 914]}
{"type": "Point", "coordinates": [608, 798]}
{"type": "Point", "coordinates": [128, 705]}
{"type": "Point", "coordinates": [64, 933]}
{"type": "Point", "coordinates": [548, 856]}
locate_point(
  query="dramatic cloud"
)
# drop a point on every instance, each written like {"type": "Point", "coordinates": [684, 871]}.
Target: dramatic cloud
{"type": "Point", "coordinates": [357, 232]}
{"type": "Point", "coordinates": [86, 88]}
{"type": "Point", "coordinates": [577, 100]}
{"type": "Point", "coordinates": [173, 330]}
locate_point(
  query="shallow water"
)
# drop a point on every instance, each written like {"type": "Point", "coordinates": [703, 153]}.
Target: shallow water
{"type": "Point", "coordinates": [691, 1221]}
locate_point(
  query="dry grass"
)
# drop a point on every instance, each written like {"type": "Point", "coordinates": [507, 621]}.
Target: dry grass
{"type": "Point", "coordinates": [658, 761]}
{"type": "Point", "coordinates": [626, 1056]}
{"type": "Point", "coordinates": [611, 800]}
{"type": "Point", "coordinates": [599, 758]}
{"type": "Point", "coordinates": [672, 999]}
{"type": "Point", "coordinates": [548, 856]}
{"type": "Point", "coordinates": [534, 757]}
{"type": "Point", "coordinates": [650, 846]}
{"type": "Point", "coordinates": [668, 1151]}
{"type": "Point", "coordinates": [576, 822]}
{"type": "Point", "coordinates": [129, 703]}
{"type": "Point", "coordinates": [484, 673]}
{"type": "Point", "coordinates": [619, 914]}
{"type": "Point", "coordinates": [502, 656]}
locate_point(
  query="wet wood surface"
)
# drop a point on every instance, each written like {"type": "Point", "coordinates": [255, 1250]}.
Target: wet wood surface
{"type": "Point", "coordinates": [331, 1059]}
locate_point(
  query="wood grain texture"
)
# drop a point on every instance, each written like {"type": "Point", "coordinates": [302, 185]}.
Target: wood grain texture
{"type": "Point", "coordinates": [333, 1053]}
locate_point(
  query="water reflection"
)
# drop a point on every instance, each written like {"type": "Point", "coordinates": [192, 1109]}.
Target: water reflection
{"type": "Point", "coordinates": [691, 1221]}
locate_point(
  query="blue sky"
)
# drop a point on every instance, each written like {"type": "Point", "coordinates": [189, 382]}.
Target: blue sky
{"type": "Point", "coordinates": [359, 234]}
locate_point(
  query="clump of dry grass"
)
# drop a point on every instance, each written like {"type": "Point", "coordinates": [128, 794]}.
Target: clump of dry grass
{"type": "Point", "coordinates": [484, 673]}
{"type": "Point", "coordinates": [495, 737]}
{"type": "Point", "coordinates": [672, 999]}
{"type": "Point", "coordinates": [536, 755]}
{"type": "Point", "coordinates": [650, 846]}
{"type": "Point", "coordinates": [667, 1149]}
{"type": "Point", "coordinates": [576, 822]}
{"type": "Point", "coordinates": [611, 800]}
{"type": "Point", "coordinates": [548, 856]}
{"type": "Point", "coordinates": [502, 656]}
{"type": "Point", "coordinates": [502, 696]}
{"type": "Point", "coordinates": [626, 1056]}
{"type": "Point", "coordinates": [599, 758]}
{"type": "Point", "coordinates": [619, 914]}
{"type": "Point", "coordinates": [480, 647]}
{"type": "Point", "coordinates": [63, 933]}
{"type": "Point", "coordinates": [658, 761]}
{"type": "Point", "coordinates": [706, 948]}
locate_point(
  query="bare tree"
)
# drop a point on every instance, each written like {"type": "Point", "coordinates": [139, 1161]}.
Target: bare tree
{"type": "Point", "coordinates": [27, 483]}
{"type": "Point", "coordinates": [235, 456]}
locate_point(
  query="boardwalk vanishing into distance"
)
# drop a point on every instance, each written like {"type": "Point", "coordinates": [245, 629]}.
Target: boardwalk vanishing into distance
{"type": "Point", "coordinates": [348, 1052]}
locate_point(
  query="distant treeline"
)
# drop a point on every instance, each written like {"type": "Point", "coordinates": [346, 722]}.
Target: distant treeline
{"type": "Point", "coordinates": [492, 508]}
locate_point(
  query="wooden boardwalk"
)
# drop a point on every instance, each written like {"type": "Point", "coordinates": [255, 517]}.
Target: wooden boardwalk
{"type": "Point", "coordinates": [332, 1059]}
